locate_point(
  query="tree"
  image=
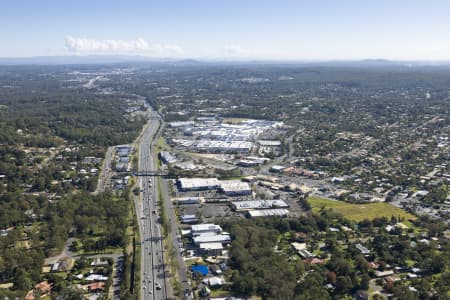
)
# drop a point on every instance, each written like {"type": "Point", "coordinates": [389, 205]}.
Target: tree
{"type": "Point", "coordinates": [22, 280]}
{"type": "Point", "coordinates": [343, 284]}
{"type": "Point", "coordinates": [364, 282]}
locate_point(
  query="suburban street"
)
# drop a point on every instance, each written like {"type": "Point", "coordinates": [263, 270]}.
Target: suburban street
{"type": "Point", "coordinates": [153, 280]}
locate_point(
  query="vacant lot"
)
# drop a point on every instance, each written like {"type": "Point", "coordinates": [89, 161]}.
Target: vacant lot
{"type": "Point", "coordinates": [359, 212]}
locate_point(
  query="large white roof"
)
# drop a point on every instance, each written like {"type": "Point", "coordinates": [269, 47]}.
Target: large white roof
{"type": "Point", "coordinates": [234, 185]}
{"type": "Point", "coordinates": [259, 204]}
{"type": "Point", "coordinates": [268, 212]}
{"type": "Point", "coordinates": [219, 238]}
{"type": "Point", "coordinates": [190, 183]}
{"type": "Point", "coordinates": [206, 227]}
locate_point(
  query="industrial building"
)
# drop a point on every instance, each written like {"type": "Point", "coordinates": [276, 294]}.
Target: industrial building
{"type": "Point", "coordinates": [198, 184]}
{"type": "Point", "coordinates": [280, 212]}
{"type": "Point", "coordinates": [123, 150]}
{"type": "Point", "coordinates": [248, 163]}
{"type": "Point", "coordinates": [188, 219]}
{"type": "Point", "coordinates": [188, 200]}
{"type": "Point", "coordinates": [167, 158]}
{"type": "Point", "coordinates": [258, 204]}
{"type": "Point", "coordinates": [211, 249]}
{"type": "Point", "coordinates": [235, 188]}
{"type": "Point", "coordinates": [224, 146]}
{"type": "Point", "coordinates": [276, 169]}
{"type": "Point", "coordinates": [209, 229]}
{"type": "Point", "coordinates": [218, 238]}
{"type": "Point", "coordinates": [181, 124]}
{"type": "Point", "coordinates": [209, 238]}
{"type": "Point", "coordinates": [121, 167]}
{"type": "Point", "coordinates": [268, 143]}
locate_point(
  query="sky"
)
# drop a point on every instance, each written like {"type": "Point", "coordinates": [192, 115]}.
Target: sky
{"type": "Point", "coordinates": [228, 29]}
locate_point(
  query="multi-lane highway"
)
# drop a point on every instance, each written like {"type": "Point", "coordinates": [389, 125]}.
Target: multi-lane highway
{"type": "Point", "coordinates": [153, 281]}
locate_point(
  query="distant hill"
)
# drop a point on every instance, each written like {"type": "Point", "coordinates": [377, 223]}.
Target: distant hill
{"type": "Point", "coordinates": [81, 59]}
{"type": "Point", "coordinates": [112, 59]}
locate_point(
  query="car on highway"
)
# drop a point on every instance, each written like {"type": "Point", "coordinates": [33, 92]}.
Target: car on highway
{"type": "Point", "coordinates": [158, 286]}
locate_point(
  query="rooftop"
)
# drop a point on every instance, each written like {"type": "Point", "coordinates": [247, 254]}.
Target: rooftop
{"type": "Point", "coordinates": [234, 185]}
{"type": "Point", "coordinates": [268, 212]}
{"type": "Point", "coordinates": [259, 204]}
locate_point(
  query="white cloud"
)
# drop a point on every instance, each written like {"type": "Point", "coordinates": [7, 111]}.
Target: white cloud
{"type": "Point", "coordinates": [235, 50]}
{"type": "Point", "coordinates": [84, 45]}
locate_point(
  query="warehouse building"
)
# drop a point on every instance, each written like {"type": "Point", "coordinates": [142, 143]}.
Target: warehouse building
{"type": "Point", "coordinates": [269, 143]}
{"type": "Point", "coordinates": [218, 238]}
{"type": "Point", "coordinates": [276, 169]}
{"type": "Point", "coordinates": [280, 212]}
{"type": "Point", "coordinates": [258, 204]}
{"type": "Point", "coordinates": [123, 150]}
{"type": "Point", "coordinates": [235, 188]}
{"type": "Point", "coordinates": [181, 124]}
{"type": "Point", "coordinates": [188, 219]}
{"type": "Point", "coordinates": [208, 229]}
{"type": "Point", "coordinates": [198, 184]}
{"type": "Point", "coordinates": [248, 163]}
{"type": "Point", "coordinates": [224, 146]}
{"type": "Point", "coordinates": [167, 158]}
{"type": "Point", "coordinates": [211, 249]}
{"type": "Point", "coordinates": [188, 200]}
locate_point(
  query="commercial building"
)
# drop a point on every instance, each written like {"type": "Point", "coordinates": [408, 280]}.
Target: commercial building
{"type": "Point", "coordinates": [218, 238]}
{"type": "Point", "coordinates": [268, 213]}
{"type": "Point", "coordinates": [211, 249]}
{"type": "Point", "coordinates": [235, 188]}
{"type": "Point", "coordinates": [198, 184]}
{"type": "Point", "coordinates": [258, 204]}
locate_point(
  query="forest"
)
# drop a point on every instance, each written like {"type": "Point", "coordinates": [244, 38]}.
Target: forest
{"type": "Point", "coordinates": [47, 127]}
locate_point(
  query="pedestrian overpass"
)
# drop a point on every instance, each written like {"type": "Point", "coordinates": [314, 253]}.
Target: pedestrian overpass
{"type": "Point", "coordinates": [150, 173]}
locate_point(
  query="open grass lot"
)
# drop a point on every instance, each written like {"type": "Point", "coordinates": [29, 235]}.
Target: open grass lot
{"type": "Point", "coordinates": [234, 120]}
{"type": "Point", "coordinates": [359, 212]}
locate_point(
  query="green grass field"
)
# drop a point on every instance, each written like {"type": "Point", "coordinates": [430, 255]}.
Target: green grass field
{"type": "Point", "coordinates": [359, 212]}
{"type": "Point", "coordinates": [234, 120]}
